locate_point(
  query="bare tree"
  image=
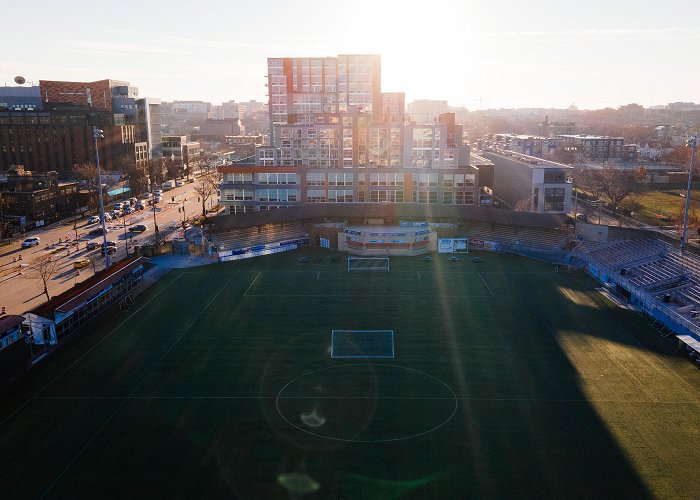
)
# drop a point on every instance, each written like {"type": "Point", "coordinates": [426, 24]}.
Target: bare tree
{"type": "Point", "coordinates": [616, 184]}
{"type": "Point", "coordinates": [693, 218]}
{"type": "Point", "coordinates": [136, 175]}
{"type": "Point", "coordinates": [155, 168]}
{"type": "Point", "coordinates": [44, 268]}
{"type": "Point", "coordinates": [87, 173]}
{"type": "Point", "coordinates": [205, 188]}
{"type": "Point", "coordinates": [524, 205]}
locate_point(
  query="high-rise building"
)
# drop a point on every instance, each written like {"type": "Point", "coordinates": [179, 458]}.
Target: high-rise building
{"type": "Point", "coordinates": [149, 125]}
{"type": "Point", "coordinates": [336, 138]}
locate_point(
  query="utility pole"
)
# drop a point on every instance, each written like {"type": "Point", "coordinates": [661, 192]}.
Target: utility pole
{"type": "Point", "coordinates": [692, 143]}
{"type": "Point", "coordinates": [99, 134]}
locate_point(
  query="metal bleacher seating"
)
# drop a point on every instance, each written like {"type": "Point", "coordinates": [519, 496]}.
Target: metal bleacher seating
{"type": "Point", "coordinates": [258, 235]}
{"type": "Point", "coordinates": [512, 235]}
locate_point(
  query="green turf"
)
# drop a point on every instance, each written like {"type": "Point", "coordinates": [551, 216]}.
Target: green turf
{"type": "Point", "coordinates": [509, 380]}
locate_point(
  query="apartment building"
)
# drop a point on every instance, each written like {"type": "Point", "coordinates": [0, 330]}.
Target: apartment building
{"type": "Point", "coordinates": [336, 138]}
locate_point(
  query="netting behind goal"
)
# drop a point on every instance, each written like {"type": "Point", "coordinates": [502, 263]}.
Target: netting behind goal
{"type": "Point", "coordinates": [362, 344]}
{"type": "Point", "coordinates": [368, 264]}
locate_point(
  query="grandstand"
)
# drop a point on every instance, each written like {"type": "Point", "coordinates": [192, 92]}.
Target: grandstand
{"type": "Point", "coordinates": [518, 235]}
{"type": "Point", "coordinates": [651, 275]}
{"type": "Point", "coordinates": [262, 234]}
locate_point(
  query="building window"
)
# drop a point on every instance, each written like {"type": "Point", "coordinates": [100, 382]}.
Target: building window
{"type": "Point", "coordinates": [554, 199]}
{"type": "Point", "coordinates": [315, 196]}
{"type": "Point", "coordinates": [315, 179]}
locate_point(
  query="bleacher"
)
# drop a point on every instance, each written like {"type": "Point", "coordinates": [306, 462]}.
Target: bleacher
{"type": "Point", "coordinates": [664, 280]}
{"type": "Point", "coordinates": [518, 235]}
{"type": "Point", "coordinates": [620, 254]}
{"type": "Point", "coordinates": [258, 235]}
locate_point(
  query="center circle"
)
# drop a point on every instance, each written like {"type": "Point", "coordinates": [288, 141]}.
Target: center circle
{"type": "Point", "coordinates": [366, 403]}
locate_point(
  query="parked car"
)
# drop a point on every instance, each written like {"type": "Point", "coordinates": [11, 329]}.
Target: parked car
{"type": "Point", "coordinates": [179, 183]}
{"type": "Point", "coordinates": [157, 199]}
{"type": "Point", "coordinates": [140, 205]}
{"type": "Point", "coordinates": [93, 219]}
{"type": "Point", "coordinates": [79, 264]}
{"type": "Point", "coordinates": [111, 247]}
{"type": "Point", "coordinates": [127, 210]}
{"type": "Point", "coordinates": [31, 242]}
{"type": "Point", "coordinates": [138, 228]}
{"type": "Point", "coordinates": [118, 206]}
{"type": "Point", "coordinates": [91, 245]}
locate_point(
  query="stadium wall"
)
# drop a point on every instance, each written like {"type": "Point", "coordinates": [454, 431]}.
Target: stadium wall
{"type": "Point", "coordinates": [388, 213]}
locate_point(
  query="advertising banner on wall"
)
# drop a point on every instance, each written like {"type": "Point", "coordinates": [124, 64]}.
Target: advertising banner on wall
{"type": "Point", "coordinates": [453, 245]}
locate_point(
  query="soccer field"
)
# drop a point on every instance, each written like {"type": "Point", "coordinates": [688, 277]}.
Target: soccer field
{"type": "Point", "coordinates": [508, 379]}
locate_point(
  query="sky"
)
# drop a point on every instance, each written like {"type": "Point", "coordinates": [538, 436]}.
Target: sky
{"type": "Point", "coordinates": [478, 54]}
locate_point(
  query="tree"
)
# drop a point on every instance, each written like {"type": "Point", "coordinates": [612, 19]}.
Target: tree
{"type": "Point", "coordinates": [693, 218]}
{"type": "Point", "coordinates": [616, 184]}
{"type": "Point", "coordinates": [44, 268]}
{"type": "Point", "coordinates": [87, 174]}
{"type": "Point", "coordinates": [205, 188]}
{"type": "Point", "coordinates": [679, 156]}
{"type": "Point", "coordinates": [136, 175]}
{"type": "Point", "coordinates": [172, 166]}
{"type": "Point", "coordinates": [524, 205]}
{"type": "Point", "coordinates": [588, 179]}
{"type": "Point", "coordinates": [154, 168]}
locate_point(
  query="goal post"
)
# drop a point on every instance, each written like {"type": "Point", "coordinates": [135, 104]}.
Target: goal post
{"type": "Point", "coordinates": [368, 264]}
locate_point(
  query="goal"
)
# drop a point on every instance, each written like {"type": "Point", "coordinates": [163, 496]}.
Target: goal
{"type": "Point", "coordinates": [359, 344]}
{"type": "Point", "coordinates": [368, 264]}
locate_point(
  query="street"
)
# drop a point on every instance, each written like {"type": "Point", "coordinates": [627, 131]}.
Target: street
{"type": "Point", "coordinates": [21, 289]}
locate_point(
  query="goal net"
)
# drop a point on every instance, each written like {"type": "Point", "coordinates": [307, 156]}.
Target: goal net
{"type": "Point", "coordinates": [368, 264]}
{"type": "Point", "coordinates": [362, 344]}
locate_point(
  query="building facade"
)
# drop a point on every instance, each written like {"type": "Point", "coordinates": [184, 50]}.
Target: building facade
{"type": "Point", "coordinates": [37, 198]}
{"type": "Point", "coordinates": [58, 134]}
{"type": "Point", "coordinates": [531, 184]}
{"type": "Point", "coordinates": [56, 140]}
{"type": "Point", "coordinates": [336, 138]}
{"type": "Point", "coordinates": [593, 147]}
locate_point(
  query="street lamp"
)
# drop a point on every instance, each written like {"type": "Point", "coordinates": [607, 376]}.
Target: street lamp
{"type": "Point", "coordinates": [155, 224]}
{"type": "Point", "coordinates": [184, 217]}
{"type": "Point", "coordinates": [693, 144]}
{"type": "Point", "coordinates": [99, 134]}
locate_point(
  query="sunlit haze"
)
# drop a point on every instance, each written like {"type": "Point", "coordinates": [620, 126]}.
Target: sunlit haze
{"type": "Point", "coordinates": [592, 54]}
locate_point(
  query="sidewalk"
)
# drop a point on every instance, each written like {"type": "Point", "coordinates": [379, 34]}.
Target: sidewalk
{"type": "Point", "coordinates": [164, 263]}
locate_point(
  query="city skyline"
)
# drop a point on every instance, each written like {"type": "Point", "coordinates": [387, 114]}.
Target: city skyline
{"type": "Point", "coordinates": [542, 54]}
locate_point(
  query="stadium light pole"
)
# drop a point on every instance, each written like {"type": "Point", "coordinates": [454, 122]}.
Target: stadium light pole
{"type": "Point", "coordinates": [692, 143]}
{"type": "Point", "coordinates": [99, 134]}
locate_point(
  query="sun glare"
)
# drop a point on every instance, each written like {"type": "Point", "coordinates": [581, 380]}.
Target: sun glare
{"type": "Point", "coordinates": [407, 35]}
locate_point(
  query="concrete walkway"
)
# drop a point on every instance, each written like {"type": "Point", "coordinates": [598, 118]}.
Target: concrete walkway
{"type": "Point", "coordinates": [164, 263]}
